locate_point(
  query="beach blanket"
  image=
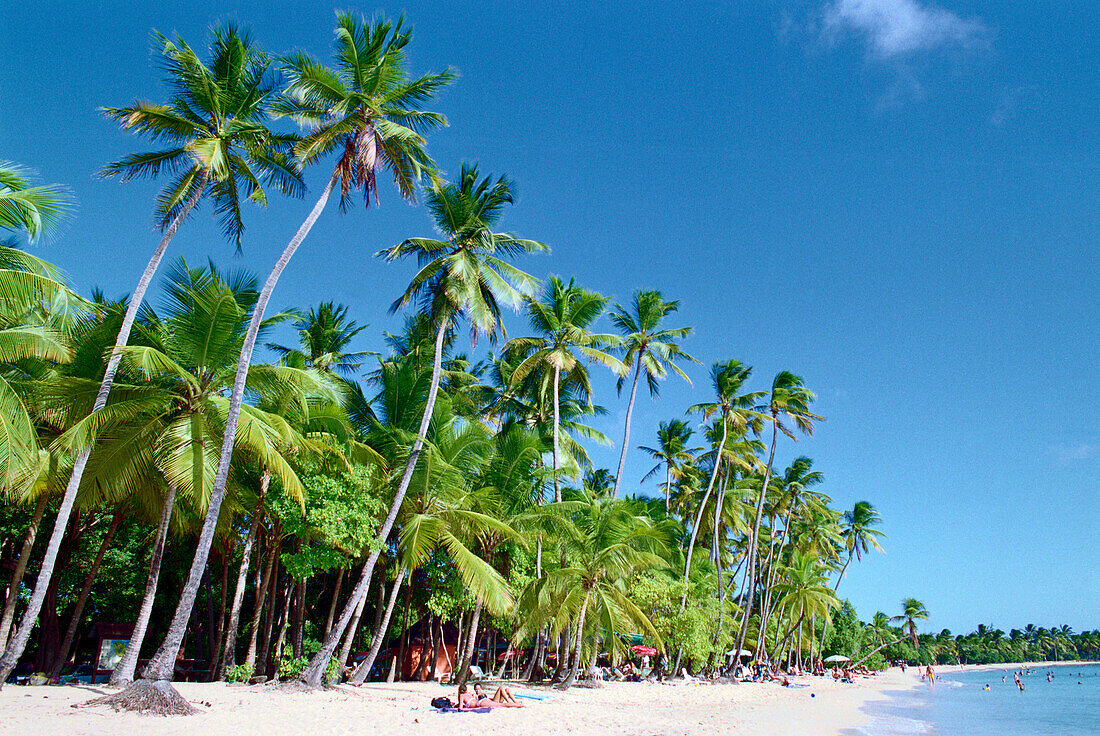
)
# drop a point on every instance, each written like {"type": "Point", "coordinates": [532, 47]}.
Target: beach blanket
{"type": "Point", "coordinates": [463, 710]}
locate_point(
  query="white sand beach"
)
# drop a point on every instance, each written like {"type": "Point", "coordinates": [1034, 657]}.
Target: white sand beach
{"type": "Point", "coordinates": [822, 709]}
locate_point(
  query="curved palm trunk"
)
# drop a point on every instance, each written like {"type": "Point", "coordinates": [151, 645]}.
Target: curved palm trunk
{"type": "Point", "coordinates": [718, 557]}
{"type": "Point", "coordinates": [557, 431]}
{"type": "Point", "coordinates": [353, 627]}
{"type": "Point", "coordinates": [263, 584]}
{"type": "Point", "coordinates": [879, 648]}
{"type": "Point", "coordinates": [668, 484]}
{"type": "Point", "coordinates": [45, 573]}
{"type": "Point", "coordinates": [626, 433]}
{"type": "Point", "coordinates": [363, 670]}
{"type": "Point", "coordinates": [163, 662]}
{"type": "Point", "coordinates": [20, 569]}
{"type": "Point", "coordinates": [702, 508]}
{"type": "Point", "coordinates": [82, 599]}
{"type": "Point", "coordinates": [229, 659]}
{"type": "Point", "coordinates": [337, 588]}
{"type": "Point", "coordinates": [316, 669]}
{"type": "Point", "coordinates": [772, 568]}
{"type": "Point", "coordinates": [750, 573]}
{"type": "Point", "coordinates": [468, 653]}
{"type": "Point", "coordinates": [124, 672]}
{"type": "Point", "coordinates": [572, 676]}
{"type": "Point", "coordinates": [836, 586]}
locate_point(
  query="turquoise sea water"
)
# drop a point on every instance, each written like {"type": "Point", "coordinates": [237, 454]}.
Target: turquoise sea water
{"type": "Point", "coordinates": [958, 705]}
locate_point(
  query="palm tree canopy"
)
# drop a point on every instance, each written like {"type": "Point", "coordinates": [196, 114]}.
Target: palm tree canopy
{"type": "Point", "coordinates": [465, 274]}
{"type": "Point", "coordinates": [368, 107]}
{"type": "Point", "coordinates": [27, 208]}
{"type": "Point", "coordinates": [645, 341]}
{"type": "Point", "coordinates": [216, 127]}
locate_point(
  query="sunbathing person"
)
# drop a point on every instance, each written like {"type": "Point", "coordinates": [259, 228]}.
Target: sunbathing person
{"type": "Point", "coordinates": [502, 698]}
{"type": "Point", "coordinates": [466, 700]}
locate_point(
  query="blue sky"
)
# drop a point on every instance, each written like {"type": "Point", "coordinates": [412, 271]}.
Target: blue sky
{"type": "Point", "coordinates": [896, 199]}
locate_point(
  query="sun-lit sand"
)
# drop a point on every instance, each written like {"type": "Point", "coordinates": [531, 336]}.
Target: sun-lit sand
{"type": "Point", "coordinates": [824, 708]}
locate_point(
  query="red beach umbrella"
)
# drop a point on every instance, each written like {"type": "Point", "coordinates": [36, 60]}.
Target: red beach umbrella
{"type": "Point", "coordinates": [643, 650]}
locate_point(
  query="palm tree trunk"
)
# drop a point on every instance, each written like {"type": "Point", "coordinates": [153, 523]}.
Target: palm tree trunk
{"type": "Point", "coordinates": [668, 484]}
{"type": "Point", "coordinates": [750, 574]}
{"type": "Point", "coordinates": [626, 433]}
{"type": "Point", "coordinates": [825, 625]}
{"type": "Point", "coordinates": [572, 676]}
{"type": "Point", "coordinates": [230, 647]}
{"type": "Point", "coordinates": [85, 591]}
{"type": "Point", "coordinates": [363, 670]}
{"type": "Point", "coordinates": [557, 432]}
{"type": "Point", "coordinates": [335, 599]}
{"type": "Point", "coordinates": [258, 606]}
{"type": "Point", "coordinates": [879, 648]}
{"type": "Point", "coordinates": [468, 654]}
{"type": "Point", "coordinates": [45, 572]}
{"type": "Point", "coordinates": [699, 515]}
{"type": "Point", "coordinates": [160, 668]}
{"type": "Point", "coordinates": [772, 566]}
{"type": "Point", "coordinates": [124, 672]}
{"type": "Point", "coordinates": [316, 669]}
{"type": "Point", "coordinates": [353, 627]}
{"type": "Point", "coordinates": [263, 659]}
{"type": "Point", "coordinates": [219, 628]}
{"type": "Point", "coordinates": [21, 568]}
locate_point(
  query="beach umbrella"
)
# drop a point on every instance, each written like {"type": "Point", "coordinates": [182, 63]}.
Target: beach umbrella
{"type": "Point", "coordinates": [837, 658]}
{"type": "Point", "coordinates": [643, 650]}
{"type": "Point", "coordinates": [739, 653]}
{"type": "Point", "coordinates": [508, 654]}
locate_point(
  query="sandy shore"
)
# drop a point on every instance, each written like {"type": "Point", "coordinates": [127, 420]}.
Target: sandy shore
{"type": "Point", "coordinates": [1008, 666]}
{"type": "Point", "coordinates": [822, 709]}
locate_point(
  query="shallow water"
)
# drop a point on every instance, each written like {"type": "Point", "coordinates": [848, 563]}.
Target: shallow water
{"type": "Point", "coordinates": [958, 705]}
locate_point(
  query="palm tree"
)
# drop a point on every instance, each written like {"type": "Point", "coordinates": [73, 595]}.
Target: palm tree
{"type": "Point", "coordinates": [912, 611]}
{"type": "Point", "coordinates": [608, 543]}
{"type": "Point", "coordinates": [673, 437]}
{"type": "Point", "coordinates": [216, 124]}
{"type": "Point", "coordinates": [860, 537]}
{"type": "Point", "coordinates": [790, 399]}
{"type": "Point", "coordinates": [27, 208]}
{"type": "Point", "coordinates": [463, 276]}
{"type": "Point", "coordinates": [730, 408]}
{"type": "Point", "coordinates": [324, 333]}
{"type": "Point", "coordinates": [646, 345]}
{"type": "Point", "coordinates": [371, 108]}
{"type": "Point", "coordinates": [563, 316]}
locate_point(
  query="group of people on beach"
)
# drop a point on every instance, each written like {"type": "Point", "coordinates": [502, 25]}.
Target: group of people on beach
{"type": "Point", "coordinates": [502, 698]}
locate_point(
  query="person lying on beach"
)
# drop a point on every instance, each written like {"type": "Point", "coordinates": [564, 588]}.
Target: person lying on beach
{"type": "Point", "coordinates": [502, 698]}
{"type": "Point", "coordinates": [466, 700]}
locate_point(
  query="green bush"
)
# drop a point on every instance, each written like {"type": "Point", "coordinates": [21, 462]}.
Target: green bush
{"type": "Point", "coordinates": [332, 672]}
{"type": "Point", "coordinates": [292, 668]}
{"type": "Point", "coordinates": [239, 673]}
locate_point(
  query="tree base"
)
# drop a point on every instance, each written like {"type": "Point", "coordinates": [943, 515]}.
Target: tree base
{"type": "Point", "coordinates": [149, 697]}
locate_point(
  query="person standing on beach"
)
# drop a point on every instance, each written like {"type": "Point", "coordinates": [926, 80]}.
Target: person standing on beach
{"type": "Point", "coordinates": [931, 675]}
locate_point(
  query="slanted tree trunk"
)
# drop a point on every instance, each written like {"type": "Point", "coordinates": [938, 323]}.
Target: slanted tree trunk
{"type": "Point", "coordinates": [572, 676]}
{"type": "Point", "coordinates": [85, 591]}
{"type": "Point", "coordinates": [363, 670]}
{"type": "Point", "coordinates": [123, 674]}
{"type": "Point", "coordinates": [702, 508]}
{"type": "Point", "coordinates": [20, 568]}
{"type": "Point", "coordinates": [468, 651]}
{"type": "Point", "coordinates": [219, 629]}
{"type": "Point", "coordinates": [836, 586]}
{"type": "Point", "coordinates": [316, 669]}
{"type": "Point", "coordinates": [335, 599]}
{"type": "Point", "coordinates": [229, 660]}
{"type": "Point", "coordinates": [750, 575]}
{"type": "Point", "coordinates": [263, 662]}
{"type": "Point", "coordinates": [353, 627]}
{"type": "Point", "coordinates": [262, 591]}
{"type": "Point", "coordinates": [45, 572]}
{"type": "Point", "coordinates": [557, 432]}
{"type": "Point", "coordinates": [626, 432]}
{"type": "Point", "coordinates": [160, 668]}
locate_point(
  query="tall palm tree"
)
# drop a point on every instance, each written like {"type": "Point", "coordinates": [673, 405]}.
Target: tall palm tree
{"type": "Point", "coordinates": [30, 209]}
{"type": "Point", "coordinates": [672, 451]}
{"type": "Point", "coordinates": [649, 347]}
{"type": "Point", "coordinates": [790, 400]}
{"type": "Point", "coordinates": [860, 537]}
{"type": "Point", "coordinates": [563, 316]}
{"type": "Point", "coordinates": [464, 276]}
{"type": "Point", "coordinates": [372, 109]}
{"type": "Point", "coordinates": [731, 409]}
{"type": "Point", "coordinates": [912, 611]}
{"type": "Point", "coordinates": [221, 146]}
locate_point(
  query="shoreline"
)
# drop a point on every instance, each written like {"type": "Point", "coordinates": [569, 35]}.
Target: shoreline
{"type": "Point", "coordinates": [952, 668]}
{"type": "Point", "coordinates": [823, 708]}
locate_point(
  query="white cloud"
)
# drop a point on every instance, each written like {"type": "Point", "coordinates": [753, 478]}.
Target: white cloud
{"type": "Point", "coordinates": [895, 29]}
{"type": "Point", "coordinates": [1068, 454]}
